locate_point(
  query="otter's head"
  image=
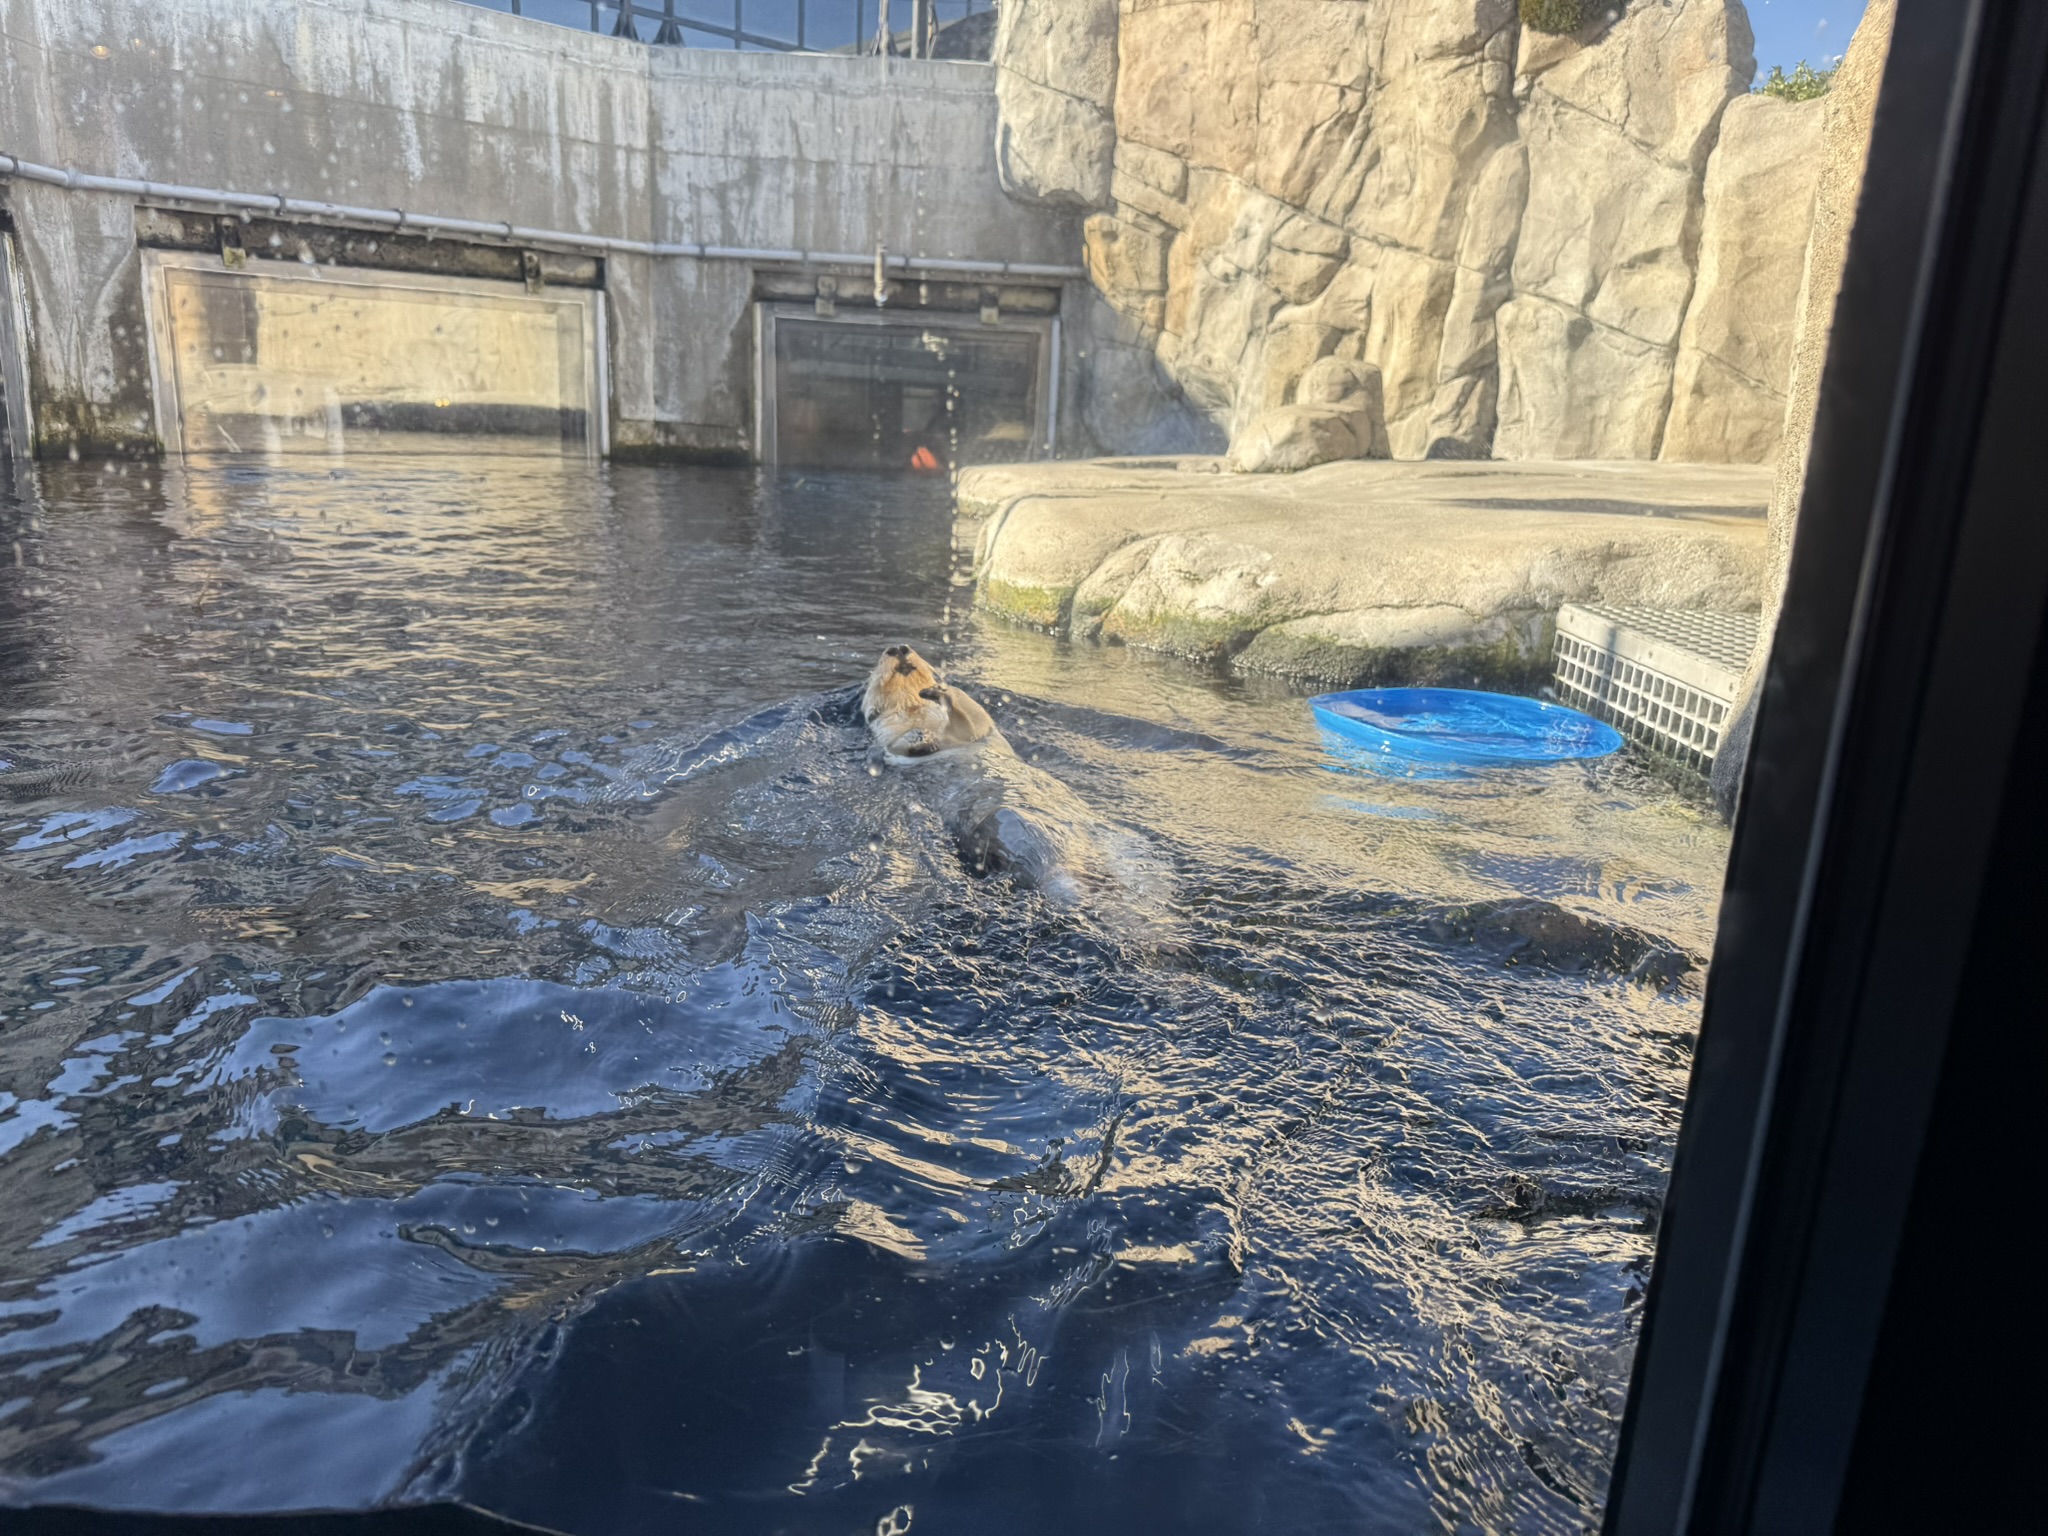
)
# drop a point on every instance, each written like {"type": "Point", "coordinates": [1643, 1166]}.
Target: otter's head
{"type": "Point", "coordinates": [896, 685]}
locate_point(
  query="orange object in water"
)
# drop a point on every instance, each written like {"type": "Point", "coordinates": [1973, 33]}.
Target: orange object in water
{"type": "Point", "coordinates": [924, 458]}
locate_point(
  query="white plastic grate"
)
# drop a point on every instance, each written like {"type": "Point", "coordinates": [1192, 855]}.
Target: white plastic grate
{"type": "Point", "coordinates": [1664, 677]}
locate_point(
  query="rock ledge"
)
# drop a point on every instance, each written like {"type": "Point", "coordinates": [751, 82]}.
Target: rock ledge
{"type": "Point", "coordinates": [1359, 572]}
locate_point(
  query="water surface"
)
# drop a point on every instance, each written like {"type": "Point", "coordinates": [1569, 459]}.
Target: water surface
{"type": "Point", "coordinates": [473, 1022]}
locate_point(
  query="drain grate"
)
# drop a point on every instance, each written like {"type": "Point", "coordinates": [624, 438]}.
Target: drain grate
{"type": "Point", "coordinates": [1664, 677]}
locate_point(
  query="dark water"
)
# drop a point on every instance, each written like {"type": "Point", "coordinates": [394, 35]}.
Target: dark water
{"type": "Point", "coordinates": [423, 1073]}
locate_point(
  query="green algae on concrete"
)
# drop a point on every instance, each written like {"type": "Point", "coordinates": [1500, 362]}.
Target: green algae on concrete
{"type": "Point", "coordinates": [1368, 571]}
{"type": "Point", "coordinates": [1040, 607]}
{"type": "Point", "coordinates": [69, 427]}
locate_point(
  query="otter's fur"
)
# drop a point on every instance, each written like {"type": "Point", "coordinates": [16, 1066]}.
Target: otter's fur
{"type": "Point", "coordinates": [913, 715]}
{"type": "Point", "coordinates": [1005, 815]}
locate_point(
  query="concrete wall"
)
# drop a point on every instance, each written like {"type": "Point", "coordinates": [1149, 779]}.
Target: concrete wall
{"type": "Point", "coordinates": [449, 109]}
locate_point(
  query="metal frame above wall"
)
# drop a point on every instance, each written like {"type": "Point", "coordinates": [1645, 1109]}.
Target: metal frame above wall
{"type": "Point", "coordinates": [241, 237]}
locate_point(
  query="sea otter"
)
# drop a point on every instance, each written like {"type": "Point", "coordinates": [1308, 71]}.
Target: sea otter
{"type": "Point", "coordinates": [1006, 816]}
{"type": "Point", "coordinates": [913, 715]}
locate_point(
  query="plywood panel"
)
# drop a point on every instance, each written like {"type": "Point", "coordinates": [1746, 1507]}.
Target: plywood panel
{"type": "Point", "coordinates": [270, 358]}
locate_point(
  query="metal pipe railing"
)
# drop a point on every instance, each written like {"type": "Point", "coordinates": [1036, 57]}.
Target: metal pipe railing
{"type": "Point", "coordinates": [398, 219]}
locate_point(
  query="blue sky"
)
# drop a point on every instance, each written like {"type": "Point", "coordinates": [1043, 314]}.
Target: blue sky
{"type": "Point", "coordinates": [1790, 30]}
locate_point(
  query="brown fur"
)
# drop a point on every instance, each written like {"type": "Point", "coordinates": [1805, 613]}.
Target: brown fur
{"type": "Point", "coordinates": [913, 714]}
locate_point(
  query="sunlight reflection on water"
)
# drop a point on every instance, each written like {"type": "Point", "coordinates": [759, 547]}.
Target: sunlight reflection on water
{"type": "Point", "coordinates": [466, 998]}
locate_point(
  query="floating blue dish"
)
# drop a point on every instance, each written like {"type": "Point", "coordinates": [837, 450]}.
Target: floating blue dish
{"type": "Point", "coordinates": [1455, 727]}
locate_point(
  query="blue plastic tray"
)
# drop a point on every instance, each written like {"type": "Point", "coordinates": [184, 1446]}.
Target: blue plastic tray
{"type": "Point", "coordinates": [1458, 727]}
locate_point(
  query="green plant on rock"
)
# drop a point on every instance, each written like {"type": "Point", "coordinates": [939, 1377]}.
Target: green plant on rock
{"type": "Point", "coordinates": [1803, 84]}
{"type": "Point", "coordinates": [1556, 15]}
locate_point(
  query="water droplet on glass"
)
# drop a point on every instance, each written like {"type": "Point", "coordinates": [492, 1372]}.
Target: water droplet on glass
{"type": "Point", "coordinates": [390, 1060]}
{"type": "Point", "coordinates": [874, 845]}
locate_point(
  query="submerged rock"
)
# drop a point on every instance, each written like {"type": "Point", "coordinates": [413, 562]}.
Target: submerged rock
{"type": "Point", "coordinates": [1526, 931]}
{"type": "Point", "coordinates": [30, 781]}
{"type": "Point", "coordinates": [1528, 1201]}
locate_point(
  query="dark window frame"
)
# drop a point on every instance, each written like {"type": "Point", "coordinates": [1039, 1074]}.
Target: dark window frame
{"type": "Point", "coordinates": [1859, 877]}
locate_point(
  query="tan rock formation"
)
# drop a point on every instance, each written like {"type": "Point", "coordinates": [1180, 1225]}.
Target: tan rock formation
{"type": "Point", "coordinates": [1126, 398]}
{"type": "Point", "coordinates": [1528, 236]}
{"type": "Point", "coordinates": [1308, 165]}
{"type": "Point", "coordinates": [1338, 412]}
{"type": "Point", "coordinates": [1465, 410]}
{"type": "Point", "coordinates": [1618, 128]}
{"type": "Point", "coordinates": [1056, 64]}
{"type": "Point", "coordinates": [1850, 109]}
{"type": "Point", "coordinates": [1735, 353]}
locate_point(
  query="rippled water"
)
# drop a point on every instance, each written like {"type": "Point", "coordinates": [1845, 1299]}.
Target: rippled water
{"type": "Point", "coordinates": [472, 1022]}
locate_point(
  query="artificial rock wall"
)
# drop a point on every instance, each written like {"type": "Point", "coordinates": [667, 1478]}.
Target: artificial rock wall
{"type": "Point", "coordinates": [1550, 247]}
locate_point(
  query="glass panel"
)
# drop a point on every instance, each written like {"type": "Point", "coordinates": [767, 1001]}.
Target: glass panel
{"type": "Point", "coordinates": [566, 13]}
{"type": "Point", "coordinates": [837, 26]}
{"type": "Point", "coordinates": [851, 395]}
{"type": "Point", "coordinates": [776, 19]}
{"type": "Point", "coordinates": [476, 994]}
